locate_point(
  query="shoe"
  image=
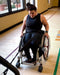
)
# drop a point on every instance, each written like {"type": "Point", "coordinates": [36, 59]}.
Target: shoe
{"type": "Point", "coordinates": [28, 60]}
{"type": "Point", "coordinates": [32, 60]}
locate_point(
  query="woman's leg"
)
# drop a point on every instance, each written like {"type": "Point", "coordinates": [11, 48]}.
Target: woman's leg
{"type": "Point", "coordinates": [35, 43]}
{"type": "Point", "coordinates": [40, 52]}
{"type": "Point", "coordinates": [27, 37]}
{"type": "Point", "coordinates": [34, 50]}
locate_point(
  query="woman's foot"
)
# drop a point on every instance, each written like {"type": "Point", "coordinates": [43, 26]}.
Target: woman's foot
{"type": "Point", "coordinates": [28, 60]}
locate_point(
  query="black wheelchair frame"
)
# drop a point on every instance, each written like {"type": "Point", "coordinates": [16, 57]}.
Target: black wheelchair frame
{"type": "Point", "coordinates": [45, 48]}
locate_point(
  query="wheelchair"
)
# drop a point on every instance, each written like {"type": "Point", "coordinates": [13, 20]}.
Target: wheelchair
{"type": "Point", "coordinates": [44, 45]}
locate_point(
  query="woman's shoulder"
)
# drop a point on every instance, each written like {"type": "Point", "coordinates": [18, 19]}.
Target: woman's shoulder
{"type": "Point", "coordinates": [41, 17]}
{"type": "Point", "coordinates": [25, 17]}
{"type": "Point", "coordinates": [40, 14]}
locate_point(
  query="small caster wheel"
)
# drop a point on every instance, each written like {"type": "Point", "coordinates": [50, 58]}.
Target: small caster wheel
{"type": "Point", "coordinates": [18, 64]}
{"type": "Point", "coordinates": [34, 63]}
{"type": "Point", "coordinates": [40, 68]}
{"type": "Point", "coordinates": [21, 62]}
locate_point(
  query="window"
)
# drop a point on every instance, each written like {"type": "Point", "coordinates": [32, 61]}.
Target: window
{"type": "Point", "coordinates": [31, 1]}
{"type": "Point", "coordinates": [49, 1]}
{"type": "Point", "coordinates": [3, 6]}
{"type": "Point", "coordinates": [16, 5]}
{"type": "Point", "coordinates": [27, 1]}
{"type": "Point", "coordinates": [11, 6]}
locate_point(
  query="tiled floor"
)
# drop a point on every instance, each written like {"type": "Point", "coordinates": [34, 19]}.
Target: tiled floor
{"type": "Point", "coordinates": [58, 36]}
{"type": "Point", "coordinates": [10, 41]}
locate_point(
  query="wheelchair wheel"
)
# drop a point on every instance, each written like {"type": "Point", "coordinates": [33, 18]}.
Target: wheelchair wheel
{"type": "Point", "coordinates": [18, 63]}
{"type": "Point", "coordinates": [45, 47]}
{"type": "Point", "coordinates": [20, 47]}
{"type": "Point", "coordinates": [40, 68]}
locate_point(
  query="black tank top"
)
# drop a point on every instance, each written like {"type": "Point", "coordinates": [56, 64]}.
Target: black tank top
{"type": "Point", "coordinates": [33, 24]}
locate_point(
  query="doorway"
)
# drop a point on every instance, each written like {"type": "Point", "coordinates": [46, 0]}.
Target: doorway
{"type": "Point", "coordinates": [59, 3]}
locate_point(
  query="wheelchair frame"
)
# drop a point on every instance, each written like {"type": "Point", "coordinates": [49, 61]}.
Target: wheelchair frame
{"type": "Point", "coordinates": [45, 48]}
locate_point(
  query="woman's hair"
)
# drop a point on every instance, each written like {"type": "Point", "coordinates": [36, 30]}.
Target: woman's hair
{"type": "Point", "coordinates": [30, 7]}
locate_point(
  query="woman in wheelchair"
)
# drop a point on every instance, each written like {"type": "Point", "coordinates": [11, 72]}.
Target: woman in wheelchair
{"type": "Point", "coordinates": [33, 23]}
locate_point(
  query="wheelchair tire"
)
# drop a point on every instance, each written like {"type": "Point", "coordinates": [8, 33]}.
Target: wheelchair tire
{"type": "Point", "coordinates": [9, 66]}
{"type": "Point", "coordinates": [46, 47]}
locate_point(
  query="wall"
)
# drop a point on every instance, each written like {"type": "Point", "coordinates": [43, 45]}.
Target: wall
{"type": "Point", "coordinates": [42, 5]}
{"type": "Point", "coordinates": [10, 20]}
{"type": "Point", "coordinates": [55, 2]}
{"type": "Point", "coordinates": [50, 4]}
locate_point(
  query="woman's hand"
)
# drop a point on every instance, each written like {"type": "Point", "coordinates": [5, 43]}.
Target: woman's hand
{"type": "Point", "coordinates": [21, 34]}
{"type": "Point", "coordinates": [46, 34]}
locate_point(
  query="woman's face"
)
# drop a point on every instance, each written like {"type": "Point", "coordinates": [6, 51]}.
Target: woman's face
{"type": "Point", "coordinates": [32, 13]}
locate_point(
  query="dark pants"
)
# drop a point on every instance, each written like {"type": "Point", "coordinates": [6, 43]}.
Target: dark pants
{"type": "Point", "coordinates": [33, 45]}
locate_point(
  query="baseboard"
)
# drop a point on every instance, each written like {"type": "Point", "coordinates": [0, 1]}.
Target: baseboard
{"type": "Point", "coordinates": [44, 11]}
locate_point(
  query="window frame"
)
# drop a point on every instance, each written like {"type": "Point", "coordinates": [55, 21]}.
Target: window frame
{"type": "Point", "coordinates": [48, 1]}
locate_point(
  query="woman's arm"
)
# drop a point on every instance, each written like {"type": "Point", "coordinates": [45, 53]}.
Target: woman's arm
{"type": "Point", "coordinates": [23, 25]}
{"type": "Point", "coordinates": [45, 23]}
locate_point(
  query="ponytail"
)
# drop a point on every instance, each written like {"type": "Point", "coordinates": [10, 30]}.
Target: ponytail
{"type": "Point", "coordinates": [30, 7]}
